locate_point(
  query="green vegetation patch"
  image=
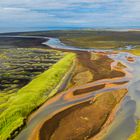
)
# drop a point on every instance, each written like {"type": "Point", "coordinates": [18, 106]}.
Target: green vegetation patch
{"type": "Point", "coordinates": [136, 135]}
{"type": "Point", "coordinates": [82, 78]}
{"type": "Point", "coordinates": [18, 66]}
{"type": "Point", "coordinates": [101, 42]}
{"type": "Point", "coordinates": [27, 99]}
{"type": "Point", "coordinates": [135, 52]}
{"type": "Point", "coordinates": [91, 38]}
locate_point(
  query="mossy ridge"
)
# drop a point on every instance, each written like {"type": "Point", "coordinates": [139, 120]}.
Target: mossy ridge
{"type": "Point", "coordinates": [16, 70]}
{"type": "Point", "coordinates": [32, 96]}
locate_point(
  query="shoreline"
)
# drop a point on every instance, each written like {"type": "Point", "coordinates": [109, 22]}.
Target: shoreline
{"type": "Point", "coordinates": [43, 128]}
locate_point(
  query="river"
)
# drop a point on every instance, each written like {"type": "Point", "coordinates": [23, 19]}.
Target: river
{"type": "Point", "coordinates": [125, 121]}
{"type": "Point", "coordinates": [129, 111]}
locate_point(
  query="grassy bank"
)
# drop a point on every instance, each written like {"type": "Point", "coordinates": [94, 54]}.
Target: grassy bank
{"type": "Point", "coordinates": [32, 96]}
{"type": "Point", "coordinates": [135, 52]}
{"type": "Point", "coordinates": [16, 70]}
{"type": "Point", "coordinates": [100, 42]}
{"type": "Point", "coordinates": [136, 135]}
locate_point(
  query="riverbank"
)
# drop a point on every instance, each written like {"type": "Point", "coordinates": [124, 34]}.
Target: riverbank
{"type": "Point", "coordinates": [77, 94]}
{"type": "Point", "coordinates": [32, 96]}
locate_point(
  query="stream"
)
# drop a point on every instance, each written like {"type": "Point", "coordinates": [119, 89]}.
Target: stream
{"type": "Point", "coordinates": [125, 120]}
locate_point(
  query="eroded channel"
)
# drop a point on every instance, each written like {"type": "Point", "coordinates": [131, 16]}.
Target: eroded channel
{"type": "Point", "coordinates": [54, 110]}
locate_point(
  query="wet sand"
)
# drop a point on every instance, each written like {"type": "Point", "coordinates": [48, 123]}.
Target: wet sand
{"type": "Point", "coordinates": [81, 121]}
{"type": "Point", "coordinates": [85, 118]}
{"type": "Point", "coordinates": [130, 59]}
{"type": "Point", "coordinates": [89, 105]}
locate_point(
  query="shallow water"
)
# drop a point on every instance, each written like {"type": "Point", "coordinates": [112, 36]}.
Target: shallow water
{"type": "Point", "coordinates": [56, 43]}
{"type": "Point", "coordinates": [125, 120]}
